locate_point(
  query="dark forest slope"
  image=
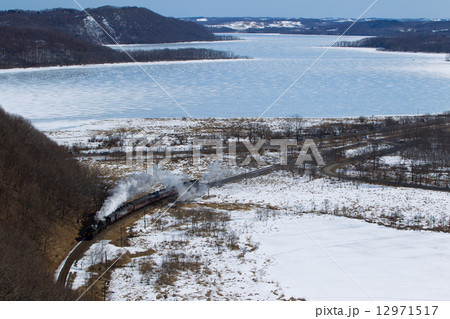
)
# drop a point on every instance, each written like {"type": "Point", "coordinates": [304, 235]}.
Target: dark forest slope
{"type": "Point", "coordinates": [127, 25]}
{"type": "Point", "coordinates": [22, 48]}
{"type": "Point", "coordinates": [405, 43]}
{"type": "Point", "coordinates": [44, 195]}
{"type": "Point", "coordinates": [27, 48]}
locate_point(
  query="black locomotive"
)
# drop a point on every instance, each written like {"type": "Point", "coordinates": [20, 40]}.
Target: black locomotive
{"type": "Point", "coordinates": [133, 206]}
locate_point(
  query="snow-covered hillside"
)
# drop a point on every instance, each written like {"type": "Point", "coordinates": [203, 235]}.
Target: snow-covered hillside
{"type": "Point", "coordinates": [367, 26]}
{"type": "Point", "coordinates": [245, 25]}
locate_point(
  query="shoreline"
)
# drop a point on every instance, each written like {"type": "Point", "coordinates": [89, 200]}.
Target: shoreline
{"type": "Point", "coordinates": [369, 49]}
{"type": "Point", "coordinates": [100, 124]}
{"type": "Point", "coordinates": [79, 66]}
{"type": "Point", "coordinates": [115, 47]}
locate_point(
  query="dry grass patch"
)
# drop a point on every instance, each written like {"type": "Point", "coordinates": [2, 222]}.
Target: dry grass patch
{"type": "Point", "coordinates": [175, 262]}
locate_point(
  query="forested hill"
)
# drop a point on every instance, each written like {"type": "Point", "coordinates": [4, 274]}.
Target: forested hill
{"type": "Point", "coordinates": [405, 43]}
{"type": "Point", "coordinates": [23, 48]}
{"type": "Point", "coordinates": [28, 48]}
{"type": "Point", "coordinates": [128, 25]}
{"type": "Point", "coordinates": [45, 194]}
{"type": "Point", "coordinates": [330, 26]}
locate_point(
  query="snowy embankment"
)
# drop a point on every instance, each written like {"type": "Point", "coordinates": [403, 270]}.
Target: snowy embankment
{"type": "Point", "coordinates": [266, 244]}
{"type": "Point", "coordinates": [154, 128]}
{"type": "Point", "coordinates": [406, 206]}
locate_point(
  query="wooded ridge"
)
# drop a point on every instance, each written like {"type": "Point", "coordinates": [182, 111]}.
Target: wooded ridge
{"type": "Point", "coordinates": [23, 48]}
{"type": "Point", "coordinates": [406, 43]}
{"type": "Point", "coordinates": [45, 194]}
{"type": "Point", "coordinates": [127, 25]}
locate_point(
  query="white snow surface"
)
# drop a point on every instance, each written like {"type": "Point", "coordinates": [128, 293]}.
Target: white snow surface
{"type": "Point", "coordinates": [94, 255]}
{"type": "Point", "coordinates": [155, 128]}
{"type": "Point", "coordinates": [395, 160]}
{"type": "Point", "coordinates": [299, 254]}
{"type": "Point", "coordinates": [245, 25]}
{"type": "Point", "coordinates": [335, 258]}
{"type": "Point", "coordinates": [330, 196]}
{"type": "Point", "coordinates": [364, 150]}
{"type": "Point", "coordinates": [93, 29]}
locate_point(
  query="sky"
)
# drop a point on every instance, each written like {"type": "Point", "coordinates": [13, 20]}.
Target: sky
{"type": "Point", "coordinates": [260, 8]}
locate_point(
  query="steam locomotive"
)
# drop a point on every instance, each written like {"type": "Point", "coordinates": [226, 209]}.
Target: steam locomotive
{"type": "Point", "coordinates": [133, 206]}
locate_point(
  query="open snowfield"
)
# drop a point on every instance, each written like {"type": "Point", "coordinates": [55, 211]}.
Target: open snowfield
{"type": "Point", "coordinates": [154, 127]}
{"type": "Point", "coordinates": [335, 258]}
{"type": "Point", "coordinates": [371, 202]}
{"type": "Point", "coordinates": [281, 236]}
{"type": "Point", "coordinates": [280, 249]}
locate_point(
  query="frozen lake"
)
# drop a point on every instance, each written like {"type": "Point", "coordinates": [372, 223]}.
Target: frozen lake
{"type": "Point", "coordinates": [330, 258]}
{"type": "Point", "coordinates": [345, 82]}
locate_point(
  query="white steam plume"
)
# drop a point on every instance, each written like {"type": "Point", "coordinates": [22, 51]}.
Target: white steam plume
{"type": "Point", "coordinates": [138, 183]}
{"type": "Point", "coordinates": [185, 191]}
{"type": "Point", "coordinates": [215, 172]}
{"type": "Point", "coordinates": [125, 190]}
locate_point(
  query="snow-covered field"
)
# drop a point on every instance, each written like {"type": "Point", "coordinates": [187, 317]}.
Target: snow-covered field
{"type": "Point", "coordinates": [365, 149]}
{"type": "Point", "coordinates": [335, 258]}
{"type": "Point", "coordinates": [275, 237]}
{"type": "Point", "coordinates": [271, 246]}
{"type": "Point", "coordinates": [408, 206]}
{"type": "Point", "coordinates": [152, 128]}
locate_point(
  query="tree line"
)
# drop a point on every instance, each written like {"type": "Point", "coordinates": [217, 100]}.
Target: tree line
{"type": "Point", "coordinates": [45, 194]}
{"type": "Point", "coordinates": [23, 48]}
{"type": "Point", "coordinates": [407, 43]}
{"type": "Point", "coordinates": [422, 145]}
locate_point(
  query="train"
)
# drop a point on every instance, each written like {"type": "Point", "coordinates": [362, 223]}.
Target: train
{"type": "Point", "coordinates": [133, 206]}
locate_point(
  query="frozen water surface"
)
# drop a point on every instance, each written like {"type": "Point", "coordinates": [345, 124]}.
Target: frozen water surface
{"type": "Point", "coordinates": [345, 82]}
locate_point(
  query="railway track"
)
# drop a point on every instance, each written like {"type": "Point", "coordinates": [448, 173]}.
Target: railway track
{"type": "Point", "coordinates": [80, 249]}
{"type": "Point", "coordinates": [330, 171]}
{"type": "Point", "coordinates": [243, 176]}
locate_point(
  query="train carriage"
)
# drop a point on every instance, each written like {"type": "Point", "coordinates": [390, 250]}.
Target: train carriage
{"type": "Point", "coordinates": [133, 206]}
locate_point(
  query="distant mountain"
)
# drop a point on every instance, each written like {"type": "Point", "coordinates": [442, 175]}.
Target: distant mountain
{"type": "Point", "coordinates": [364, 27]}
{"type": "Point", "coordinates": [128, 25]}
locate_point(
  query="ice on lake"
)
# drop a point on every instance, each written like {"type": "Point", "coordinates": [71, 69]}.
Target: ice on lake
{"type": "Point", "coordinates": [345, 82]}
